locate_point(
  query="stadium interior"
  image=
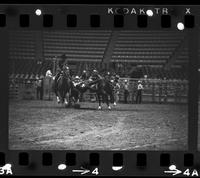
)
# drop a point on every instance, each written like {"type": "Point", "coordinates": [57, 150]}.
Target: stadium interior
{"type": "Point", "coordinates": [161, 57]}
{"type": "Point", "coordinates": [130, 54]}
{"type": "Point", "coordinates": [157, 54]}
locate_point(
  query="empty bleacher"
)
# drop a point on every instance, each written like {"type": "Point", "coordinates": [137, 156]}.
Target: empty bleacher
{"type": "Point", "coordinates": [146, 47]}
{"type": "Point", "coordinates": [77, 45]}
{"type": "Point", "coordinates": [160, 73]}
{"type": "Point", "coordinates": [22, 45]}
{"type": "Point", "coordinates": [86, 49]}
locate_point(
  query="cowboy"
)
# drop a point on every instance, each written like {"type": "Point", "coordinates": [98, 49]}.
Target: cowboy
{"type": "Point", "coordinates": [126, 91]}
{"type": "Point", "coordinates": [63, 63]}
{"type": "Point", "coordinates": [108, 76]}
{"type": "Point", "coordinates": [95, 75]}
{"type": "Point", "coordinates": [139, 92]}
{"type": "Point", "coordinates": [76, 81]}
{"type": "Point", "coordinates": [84, 75]}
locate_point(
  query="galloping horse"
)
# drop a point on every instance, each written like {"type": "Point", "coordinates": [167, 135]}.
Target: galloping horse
{"type": "Point", "coordinates": [64, 87]}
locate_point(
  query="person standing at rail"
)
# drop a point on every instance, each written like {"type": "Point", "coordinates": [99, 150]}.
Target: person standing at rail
{"type": "Point", "coordinates": [39, 88]}
{"type": "Point", "coordinates": [139, 92]}
{"type": "Point", "coordinates": [116, 90]}
{"type": "Point", "coordinates": [126, 91]}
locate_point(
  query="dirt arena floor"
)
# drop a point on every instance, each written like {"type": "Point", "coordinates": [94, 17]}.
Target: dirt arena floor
{"type": "Point", "coordinates": [45, 125]}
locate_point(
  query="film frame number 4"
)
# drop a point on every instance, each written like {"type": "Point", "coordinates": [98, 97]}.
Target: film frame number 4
{"type": "Point", "coordinates": [113, 27]}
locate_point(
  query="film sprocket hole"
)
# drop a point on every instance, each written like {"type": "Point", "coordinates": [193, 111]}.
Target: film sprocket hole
{"type": "Point", "coordinates": [100, 90]}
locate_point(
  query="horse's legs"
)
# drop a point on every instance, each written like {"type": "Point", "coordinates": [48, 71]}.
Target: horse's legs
{"type": "Point", "coordinates": [99, 99]}
{"type": "Point", "coordinates": [69, 97]}
{"type": "Point", "coordinates": [112, 99]}
{"type": "Point", "coordinates": [59, 97]}
{"type": "Point", "coordinates": [115, 99]}
{"type": "Point", "coordinates": [63, 97]}
{"type": "Point", "coordinates": [78, 96]}
{"type": "Point", "coordinates": [66, 99]}
{"type": "Point", "coordinates": [75, 95]}
{"type": "Point", "coordinates": [107, 100]}
{"type": "Point", "coordinates": [55, 89]}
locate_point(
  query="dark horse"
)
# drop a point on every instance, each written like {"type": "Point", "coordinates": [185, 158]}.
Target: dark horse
{"type": "Point", "coordinates": [63, 87]}
{"type": "Point", "coordinates": [103, 90]}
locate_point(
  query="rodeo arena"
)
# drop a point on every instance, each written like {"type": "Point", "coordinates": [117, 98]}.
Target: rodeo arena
{"type": "Point", "coordinates": [98, 90]}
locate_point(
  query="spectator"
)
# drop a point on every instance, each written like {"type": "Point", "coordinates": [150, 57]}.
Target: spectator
{"type": "Point", "coordinates": [39, 88]}
{"type": "Point", "coordinates": [126, 91]}
{"type": "Point", "coordinates": [139, 92]}
{"type": "Point", "coordinates": [133, 91]}
{"type": "Point", "coordinates": [116, 89]}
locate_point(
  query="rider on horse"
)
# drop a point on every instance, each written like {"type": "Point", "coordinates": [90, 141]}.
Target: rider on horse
{"type": "Point", "coordinates": [94, 78]}
{"type": "Point", "coordinates": [62, 64]}
{"type": "Point", "coordinates": [108, 77]}
{"type": "Point", "coordinates": [95, 75]}
{"type": "Point", "coordinates": [116, 78]}
{"type": "Point", "coordinates": [84, 75]}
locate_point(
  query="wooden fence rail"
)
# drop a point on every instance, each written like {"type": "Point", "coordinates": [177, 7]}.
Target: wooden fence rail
{"type": "Point", "coordinates": [158, 91]}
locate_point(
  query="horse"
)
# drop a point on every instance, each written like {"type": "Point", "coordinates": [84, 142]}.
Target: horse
{"type": "Point", "coordinates": [103, 90]}
{"type": "Point", "coordinates": [64, 85]}
{"type": "Point", "coordinates": [101, 87]}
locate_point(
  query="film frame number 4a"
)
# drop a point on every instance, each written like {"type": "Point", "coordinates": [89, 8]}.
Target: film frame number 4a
{"type": "Point", "coordinates": [100, 90]}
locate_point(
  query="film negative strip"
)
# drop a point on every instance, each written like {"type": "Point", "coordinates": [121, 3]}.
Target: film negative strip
{"type": "Point", "coordinates": [100, 90]}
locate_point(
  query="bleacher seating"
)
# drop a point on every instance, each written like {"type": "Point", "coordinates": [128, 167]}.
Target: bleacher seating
{"type": "Point", "coordinates": [147, 51]}
{"type": "Point", "coordinates": [146, 47]}
{"type": "Point", "coordinates": [77, 45]}
{"type": "Point", "coordinates": [22, 45]}
{"type": "Point", "coordinates": [158, 72]}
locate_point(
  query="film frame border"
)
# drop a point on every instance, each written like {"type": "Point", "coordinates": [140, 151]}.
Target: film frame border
{"type": "Point", "coordinates": [134, 164]}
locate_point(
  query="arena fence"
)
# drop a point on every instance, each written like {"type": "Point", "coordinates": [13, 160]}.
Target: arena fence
{"type": "Point", "coordinates": [155, 90]}
{"type": "Point", "coordinates": [14, 92]}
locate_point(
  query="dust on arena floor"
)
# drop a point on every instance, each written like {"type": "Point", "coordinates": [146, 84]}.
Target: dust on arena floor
{"type": "Point", "coordinates": [45, 125]}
